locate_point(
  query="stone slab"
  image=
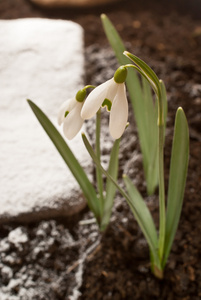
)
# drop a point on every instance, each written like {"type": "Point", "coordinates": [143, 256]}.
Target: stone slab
{"type": "Point", "coordinates": [42, 60]}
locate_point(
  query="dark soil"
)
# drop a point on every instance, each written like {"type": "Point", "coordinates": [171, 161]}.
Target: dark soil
{"type": "Point", "coordinates": [62, 259]}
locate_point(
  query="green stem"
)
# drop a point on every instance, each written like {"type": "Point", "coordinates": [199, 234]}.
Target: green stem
{"type": "Point", "coordinates": [162, 217]}
{"type": "Point", "coordinates": [98, 153]}
{"type": "Point", "coordinates": [157, 87]}
{"type": "Point", "coordinates": [89, 87]}
{"type": "Point", "coordinates": [151, 82]}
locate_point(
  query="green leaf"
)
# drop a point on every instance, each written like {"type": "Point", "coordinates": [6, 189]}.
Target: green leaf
{"type": "Point", "coordinates": [69, 158]}
{"type": "Point", "coordinates": [149, 234]}
{"type": "Point", "coordinates": [114, 39]}
{"type": "Point", "coordinates": [110, 187]}
{"type": "Point", "coordinates": [142, 215]}
{"type": "Point", "coordinates": [149, 148]}
{"type": "Point", "coordinates": [96, 160]}
{"type": "Point", "coordinates": [99, 179]}
{"type": "Point", "coordinates": [133, 82]}
{"type": "Point", "coordinates": [177, 179]}
{"type": "Point", "coordinates": [165, 103]}
{"type": "Point", "coordinates": [143, 108]}
{"type": "Point", "coordinates": [145, 68]}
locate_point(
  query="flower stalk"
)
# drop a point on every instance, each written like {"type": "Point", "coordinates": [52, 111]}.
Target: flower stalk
{"type": "Point", "coordinates": [162, 212]}
{"type": "Point", "coordinates": [99, 178]}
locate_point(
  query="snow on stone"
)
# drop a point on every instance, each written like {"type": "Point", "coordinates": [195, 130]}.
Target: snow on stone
{"type": "Point", "coordinates": [42, 60]}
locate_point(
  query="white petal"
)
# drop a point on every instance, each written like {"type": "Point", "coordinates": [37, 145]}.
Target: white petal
{"type": "Point", "coordinates": [112, 90]}
{"type": "Point", "coordinates": [73, 122]}
{"type": "Point", "coordinates": [119, 113]}
{"type": "Point", "coordinates": [66, 106]}
{"type": "Point", "coordinates": [95, 100]}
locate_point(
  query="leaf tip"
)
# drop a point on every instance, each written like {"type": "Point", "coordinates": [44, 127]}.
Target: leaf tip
{"type": "Point", "coordinates": [29, 102]}
{"type": "Point", "coordinates": [126, 53]}
{"type": "Point", "coordinates": [180, 108]}
{"type": "Point", "coordinates": [180, 111]}
{"type": "Point", "coordinates": [103, 16]}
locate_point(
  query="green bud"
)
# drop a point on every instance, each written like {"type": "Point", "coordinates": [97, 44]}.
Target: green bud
{"type": "Point", "coordinates": [120, 74]}
{"type": "Point", "coordinates": [81, 95]}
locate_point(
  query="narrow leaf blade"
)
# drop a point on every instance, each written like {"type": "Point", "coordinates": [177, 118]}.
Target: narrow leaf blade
{"type": "Point", "coordinates": [164, 101]}
{"type": "Point", "coordinates": [150, 146]}
{"type": "Point", "coordinates": [118, 47]}
{"type": "Point", "coordinates": [110, 187]}
{"type": "Point", "coordinates": [144, 67]}
{"type": "Point", "coordinates": [144, 217]}
{"type": "Point", "coordinates": [177, 178]}
{"type": "Point", "coordinates": [138, 102]}
{"type": "Point", "coordinates": [114, 39]}
{"type": "Point", "coordinates": [69, 158]}
{"type": "Point", "coordinates": [151, 239]}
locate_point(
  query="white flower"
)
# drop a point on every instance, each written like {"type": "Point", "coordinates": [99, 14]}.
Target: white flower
{"type": "Point", "coordinates": [116, 94]}
{"type": "Point", "coordinates": [69, 115]}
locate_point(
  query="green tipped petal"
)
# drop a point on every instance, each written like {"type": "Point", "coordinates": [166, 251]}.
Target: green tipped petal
{"type": "Point", "coordinates": [73, 122]}
{"type": "Point", "coordinates": [95, 100]}
{"type": "Point", "coordinates": [108, 104]}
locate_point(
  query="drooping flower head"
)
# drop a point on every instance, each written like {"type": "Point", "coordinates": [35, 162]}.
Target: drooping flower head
{"type": "Point", "coordinates": [111, 94]}
{"type": "Point", "coordinates": [70, 115]}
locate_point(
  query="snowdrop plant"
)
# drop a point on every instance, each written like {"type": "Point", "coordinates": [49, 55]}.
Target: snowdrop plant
{"type": "Point", "coordinates": [72, 113]}
{"type": "Point", "coordinates": [159, 241]}
{"type": "Point", "coordinates": [112, 95]}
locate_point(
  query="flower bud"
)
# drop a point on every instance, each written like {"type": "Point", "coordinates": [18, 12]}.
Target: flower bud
{"type": "Point", "coordinates": [120, 74]}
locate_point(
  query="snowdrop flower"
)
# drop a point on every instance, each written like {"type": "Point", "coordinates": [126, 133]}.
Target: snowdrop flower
{"type": "Point", "coordinates": [111, 94]}
{"type": "Point", "coordinates": [69, 115]}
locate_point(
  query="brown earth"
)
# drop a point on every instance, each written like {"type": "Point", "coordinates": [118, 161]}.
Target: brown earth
{"type": "Point", "coordinates": [56, 258]}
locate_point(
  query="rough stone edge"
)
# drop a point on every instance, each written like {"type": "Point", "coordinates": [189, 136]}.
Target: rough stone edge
{"type": "Point", "coordinates": [42, 214]}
